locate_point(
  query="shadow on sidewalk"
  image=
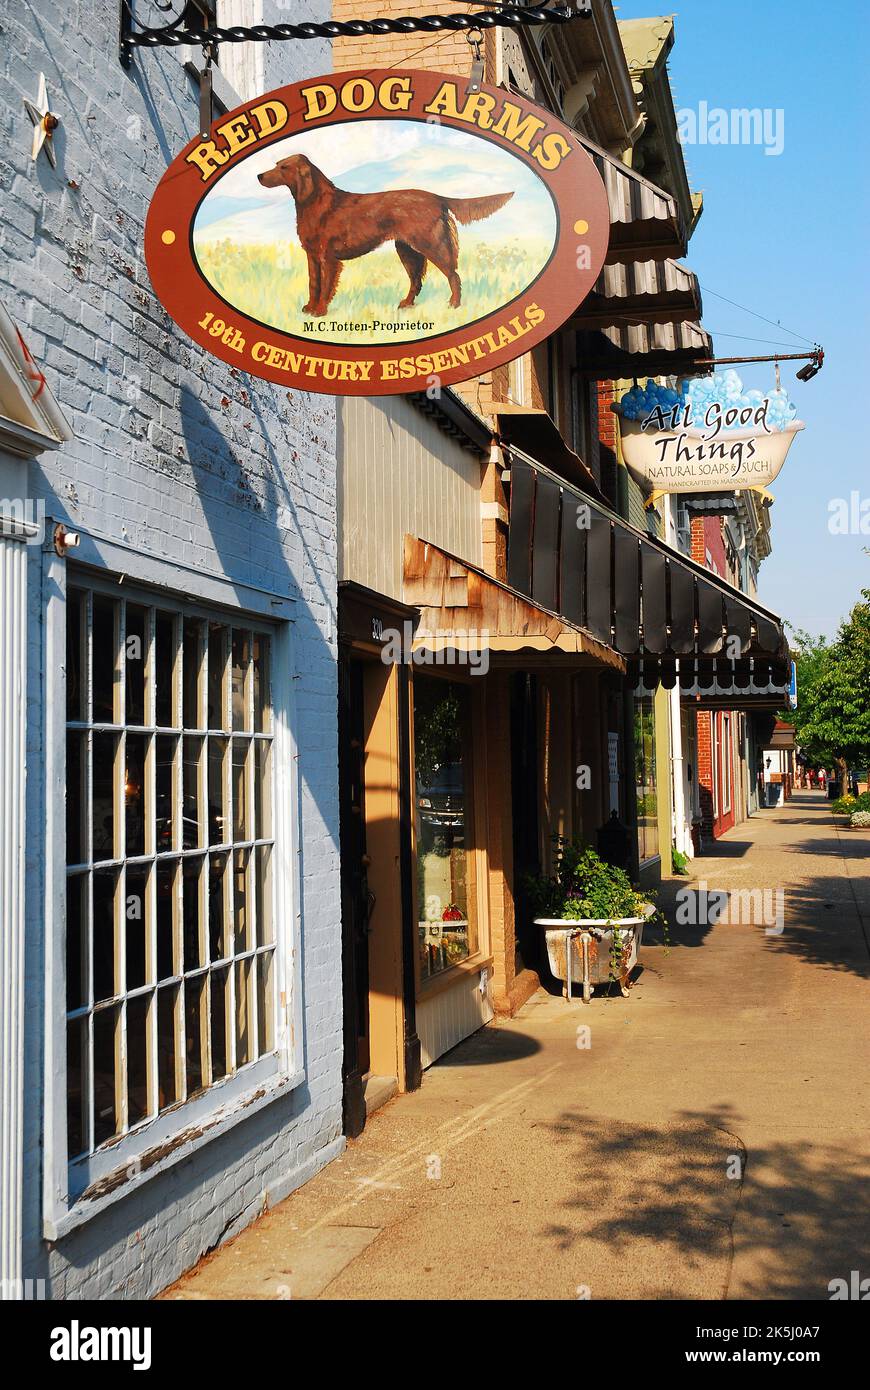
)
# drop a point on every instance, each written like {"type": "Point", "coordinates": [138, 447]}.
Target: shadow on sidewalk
{"type": "Point", "coordinates": [490, 1045]}
{"type": "Point", "coordinates": [855, 844]}
{"type": "Point", "coordinates": [794, 1217]}
{"type": "Point", "coordinates": [815, 929]}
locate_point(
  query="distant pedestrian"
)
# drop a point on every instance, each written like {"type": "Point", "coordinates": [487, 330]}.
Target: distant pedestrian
{"type": "Point", "coordinates": [823, 778]}
{"type": "Point", "coordinates": [853, 782]}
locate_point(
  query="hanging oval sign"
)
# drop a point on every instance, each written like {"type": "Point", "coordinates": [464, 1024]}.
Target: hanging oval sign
{"type": "Point", "coordinates": [376, 232]}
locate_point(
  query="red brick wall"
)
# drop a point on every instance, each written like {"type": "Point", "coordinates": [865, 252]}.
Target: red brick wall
{"type": "Point", "coordinates": [606, 417]}
{"type": "Point", "coordinates": [707, 536]}
{"type": "Point", "coordinates": [707, 539]}
{"type": "Point", "coordinates": [705, 770]}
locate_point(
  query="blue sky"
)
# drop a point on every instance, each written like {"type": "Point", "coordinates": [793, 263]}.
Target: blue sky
{"type": "Point", "coordinates": [788, 236]}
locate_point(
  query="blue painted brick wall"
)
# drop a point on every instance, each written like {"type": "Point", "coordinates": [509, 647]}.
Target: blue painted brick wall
{"type": "Point", "coordinates": [182, 458]}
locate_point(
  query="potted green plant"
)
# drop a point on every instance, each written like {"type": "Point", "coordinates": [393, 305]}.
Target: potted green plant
{"type": "Point", "coordinates": [592, 916]}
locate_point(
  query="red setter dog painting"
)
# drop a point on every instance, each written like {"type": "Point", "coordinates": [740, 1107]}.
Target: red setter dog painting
{"type": "Point", "coordinates": [335, 226]}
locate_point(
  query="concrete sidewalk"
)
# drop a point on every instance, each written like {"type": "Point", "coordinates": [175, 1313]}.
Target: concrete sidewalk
{"type": "Point", "coordinates": [710, 1142]}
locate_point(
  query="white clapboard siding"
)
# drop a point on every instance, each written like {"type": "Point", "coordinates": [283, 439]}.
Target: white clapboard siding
{"type": "Point", "coordinates": [399, 474]}
{"type": "Point", "coordinates": [448, 1017]}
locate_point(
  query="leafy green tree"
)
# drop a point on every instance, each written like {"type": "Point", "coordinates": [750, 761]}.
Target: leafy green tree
{"type": "Point", "coordinates": [832, 720]}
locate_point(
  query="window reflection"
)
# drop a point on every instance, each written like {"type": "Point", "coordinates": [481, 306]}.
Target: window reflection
{"type": "Point", "coordinates": [445, 882]}
{"type": "Point", "coordinates": [645, 780]}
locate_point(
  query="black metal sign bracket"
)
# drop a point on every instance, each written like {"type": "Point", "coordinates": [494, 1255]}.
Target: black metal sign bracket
{"type": "Point", "coordinates": [188, 26]}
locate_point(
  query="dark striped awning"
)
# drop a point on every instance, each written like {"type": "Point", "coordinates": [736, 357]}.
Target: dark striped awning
{"type": "Point", "coordinates": [645, 221]}
{"type": "Point", "coordinates": [641, 292]}
{"type": "Point", "coordinates": [674, 619]}
{"type": "Point", "coordinates": [644, 349]}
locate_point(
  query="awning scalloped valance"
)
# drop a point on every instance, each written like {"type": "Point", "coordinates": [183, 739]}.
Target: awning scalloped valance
{"type": "Point", "coordinates": [629, 589]}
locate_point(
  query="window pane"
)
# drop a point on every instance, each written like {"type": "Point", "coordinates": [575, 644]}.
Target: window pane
{"type": "Point", "coordinates": [167, 1003]}
{"type": "Point", "coordinates": [106, 674]}
{"type": "Point", "coordinates": [262, 790]}
{"type": "Point", "coordinates": [76, 941]}
{"type": "Point", "coordinates": [136, 926]}
{"type": "Point", "coordinates": [167, 963]}
{"type": "Point", "coordinates": [262, 693]}
{"type": "Point", "coordinates": [164, 670]}
{"type": "Point", "coordinates": [218, 820]}
{"type": "Point", "coordinates": [645, 779]}
{"type": "Point", "coordinates": [105, 1122]}
{"type": "Point", "coordinates": [104, 820]}
{"type": "Point", "coordinates": [193, 952]}
{"type": "Point", "coordinates": [242, 829]}
{"type": "Point", "coordinates": [164, 790]}
{"type": "Point", "coordinates": [195, 1033]}
{"type": "Point", "coordinates": [137, 1059]}
{"type": "Point", "coordinates": [241, 657]}
{"type": "Point", "coordinates": [243, 1012]}
{"type": "Point", "coordinates": [265, 926]}
{"type": "Point", "coordinates": [265, 1004]}
{"type": "Point", "coordinates": [134, 793]}
{"type": "Point", "coordinates": [104, 882]}
{"type": "Point", "coordinates": [192, 666]}
{"type": "Point", "coordinates": [193, 821]}
{"type": "Point", "coordinates": [76, 798]}
{"type": "Point", "coordinates": [219, 992]}
{"type": "Point", "coordinates": [76, 655]}
{"type": "Point", "coordinates": [242, 935]}
{"type": "Point", "coordinates": [76, 1074]}
{"type": "Point", "coordinates": [445, 867]}
{"type": "Point", "coordinates": [218, 943]}
{"type": "Point", "coordinates": [217, 661]}
{"type": "Point", "coordinates": [135, 656]}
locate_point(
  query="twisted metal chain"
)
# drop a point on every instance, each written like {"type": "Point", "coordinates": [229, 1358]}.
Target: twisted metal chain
{"type": "Point", "coordinates": [507, 16]}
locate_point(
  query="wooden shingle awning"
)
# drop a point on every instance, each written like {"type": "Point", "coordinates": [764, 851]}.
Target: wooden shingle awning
{"type": "Point", "coordinates": [463, 610]}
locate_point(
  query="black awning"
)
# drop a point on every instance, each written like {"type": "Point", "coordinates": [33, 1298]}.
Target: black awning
{"type": "Point", "coordinates": [635, 593]}
{"type": "Point", "coordinates": [716, 682]}
{"type": "Point", "coordinates": [644, 349]}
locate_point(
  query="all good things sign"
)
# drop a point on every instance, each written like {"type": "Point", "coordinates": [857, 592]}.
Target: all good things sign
{"type": "Point", "coordinates": [368, 233]}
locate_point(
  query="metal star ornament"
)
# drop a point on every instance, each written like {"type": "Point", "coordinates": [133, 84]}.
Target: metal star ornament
{"type": "Point", "coordinates": [45, 124]}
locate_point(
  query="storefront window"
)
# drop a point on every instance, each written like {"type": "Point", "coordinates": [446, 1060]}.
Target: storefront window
{"type": "Point", "coordinates": [447, 918]}
{"type": "Point", "coordinates": [645, 780]}
{"type": "Point", "coordinates": [170, 937]}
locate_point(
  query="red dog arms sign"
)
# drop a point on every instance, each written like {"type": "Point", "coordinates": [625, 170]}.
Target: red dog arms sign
{"type": "Point", "coordinates": [377, 232]}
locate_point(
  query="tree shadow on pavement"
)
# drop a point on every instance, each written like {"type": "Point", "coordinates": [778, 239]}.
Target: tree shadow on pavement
{"type": "Point", "coordinates": [854, 845]}
{"type": "Point", "coordinates": [684, 1205]}
{"type": "Point", "coordinates": [822, 925]}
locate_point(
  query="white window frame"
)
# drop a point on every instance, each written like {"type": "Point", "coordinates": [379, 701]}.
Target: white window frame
{"type": "Point", "coordinates": [124, 1164]}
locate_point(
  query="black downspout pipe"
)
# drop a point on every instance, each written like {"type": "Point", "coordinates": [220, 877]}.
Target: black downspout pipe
{"type": "Point", "coordinates": [413, 1060]}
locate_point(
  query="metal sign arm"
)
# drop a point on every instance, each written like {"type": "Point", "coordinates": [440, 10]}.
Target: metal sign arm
{"type": "Point", "coordinates": [187, 27]}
